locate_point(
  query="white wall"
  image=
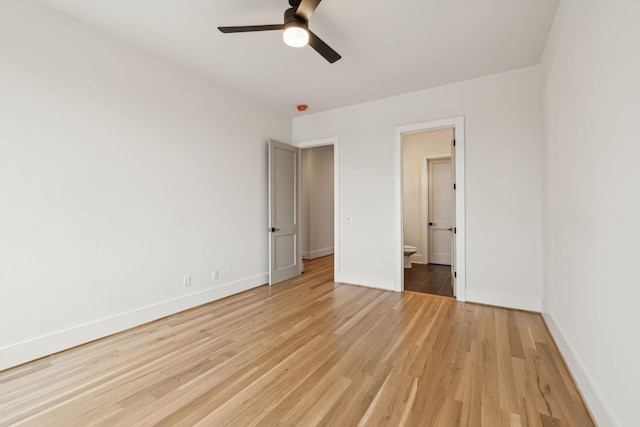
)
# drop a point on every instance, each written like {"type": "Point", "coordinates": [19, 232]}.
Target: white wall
{"type": "Point", "coordinates": [116, 176]}
{"type": "Point", "coordinates": [503, 166]}
{"type": "Point", "coordinates": [317, 201]}
{"type": "Point", "coordinates": [591, 87]}
{"type": "Point", "coordinates": [305, 181]}
{"type": "Point", "coordinates": [415, 148]}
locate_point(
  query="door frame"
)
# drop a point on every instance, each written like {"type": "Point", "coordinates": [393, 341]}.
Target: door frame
{"type": "Point", "coordinates": [457, 123]}
{"type": "Point", "coordinates": [424, 214]}
{"type": "Point", "coordinates": [335, 141]}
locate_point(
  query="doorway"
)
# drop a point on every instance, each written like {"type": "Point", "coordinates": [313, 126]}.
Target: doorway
{"type": "Point", "coordinates": [316, 199]}
{"type": "Point", "coordinates": [428, 211]}
{"type": "Point", "coordinates": [456, 271]}
{"type": "Point", "coordinates": [319, 202]}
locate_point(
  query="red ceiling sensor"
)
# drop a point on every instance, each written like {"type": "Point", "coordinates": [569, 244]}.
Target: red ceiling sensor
{"type": "Point", "coordinates": [302, 107]}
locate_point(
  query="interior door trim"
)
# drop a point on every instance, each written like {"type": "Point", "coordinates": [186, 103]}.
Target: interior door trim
{"type": "Point", "coordinates": [457, 123]}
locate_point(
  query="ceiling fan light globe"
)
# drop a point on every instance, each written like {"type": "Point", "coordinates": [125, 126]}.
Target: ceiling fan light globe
{"type": "Point", "coordinates": [295, 36]}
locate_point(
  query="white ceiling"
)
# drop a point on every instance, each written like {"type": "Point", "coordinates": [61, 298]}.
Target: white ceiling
{"type": "Point", "coordinates": [388, 47]}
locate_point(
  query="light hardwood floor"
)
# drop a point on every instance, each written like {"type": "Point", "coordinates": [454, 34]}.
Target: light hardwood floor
{"type": "Point", "coordinates": [307, 352]}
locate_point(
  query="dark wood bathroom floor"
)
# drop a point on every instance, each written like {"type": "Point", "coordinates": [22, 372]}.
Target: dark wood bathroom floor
{"type": "Point", "coordinates": [429, 279]}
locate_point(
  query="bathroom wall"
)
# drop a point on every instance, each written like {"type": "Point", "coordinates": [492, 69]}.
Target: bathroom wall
{"type": "Point", "coordinates": [415, 147]}
{"type": "Point", "coordinates": [316, 220]}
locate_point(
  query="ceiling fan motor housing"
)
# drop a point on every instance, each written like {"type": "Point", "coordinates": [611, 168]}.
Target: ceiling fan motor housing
{"type": "Point", "coordinates": [293, 20]}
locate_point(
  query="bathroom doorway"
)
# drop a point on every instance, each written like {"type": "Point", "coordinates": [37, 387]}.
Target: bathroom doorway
{"type": "Point", "coordinates": [428, 211]}
{"type": "Point", "coordinates": [457, 270]}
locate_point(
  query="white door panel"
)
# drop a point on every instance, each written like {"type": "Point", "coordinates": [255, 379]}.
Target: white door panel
{"type": "Point", "coordinates": [283, 212]}
{"type": "Point", "coordinates": [441, 241]}
{"type": "Point", "coordinates": [440, 215]}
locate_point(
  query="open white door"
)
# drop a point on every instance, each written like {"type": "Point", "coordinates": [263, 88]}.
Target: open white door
{"type": "Point", "coordinates": [284, 248]}
{"type": "Point", "coordinates": [453, 214]}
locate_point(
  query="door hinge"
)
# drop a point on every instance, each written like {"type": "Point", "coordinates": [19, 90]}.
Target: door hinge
{"type": "Point", "coordinates": [454, 186]}
{"type": "Point", "coordinates": [455, 230]}
{"type": "Point", "coordinates": [455, 274]}
{"type": "Point", "coordinates": [454, 142]}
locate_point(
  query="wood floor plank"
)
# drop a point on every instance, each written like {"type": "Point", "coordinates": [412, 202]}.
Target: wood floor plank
{"type": "Point", "coordinates": [307, 352]}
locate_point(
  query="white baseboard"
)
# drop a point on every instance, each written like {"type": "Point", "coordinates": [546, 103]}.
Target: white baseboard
{"type": "Point", "coordinates": [418, 258]}
{"type": "Point", "coordinates": [25, 351]}
{"type": "Point", "coordinates": [591, 394]}
{"type": "Point", "coordinates": [503, 299]}
{"type": "Point", "coordinates": [368, 281]}
{"type": "Point", "coordinates": [317, 254]}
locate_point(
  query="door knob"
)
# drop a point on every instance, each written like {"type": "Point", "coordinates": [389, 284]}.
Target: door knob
{"type": "Point", "coordinates": [274, 229]}
{"type": "Point", "coordinates": [450, 228]}
{"type": "Point", "coordinates": [430, 224]}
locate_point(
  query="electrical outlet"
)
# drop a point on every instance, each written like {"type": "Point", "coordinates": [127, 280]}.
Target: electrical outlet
{"type": "Point", "coordinates": [366, 264]}
{"type": "Point", "coordinates": [214, 274]}
{"type": "Point", "coordinates": [186, 281]}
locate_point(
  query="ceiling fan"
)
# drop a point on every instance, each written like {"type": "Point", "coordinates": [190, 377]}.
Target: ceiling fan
{"type": "Point", "coordinates": [296, 29]}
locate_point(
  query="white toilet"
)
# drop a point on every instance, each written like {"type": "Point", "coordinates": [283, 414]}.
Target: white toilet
{"type": "Point", "coordinates": [408, 251]}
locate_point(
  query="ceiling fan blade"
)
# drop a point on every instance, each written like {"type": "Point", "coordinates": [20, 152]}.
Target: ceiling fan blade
{"type": "Point", "coordinates": [250, 28]}
{"type": "Point", "coordinates": [306, 8]}
{"type": "Point", "coordinates": [322, 48]}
